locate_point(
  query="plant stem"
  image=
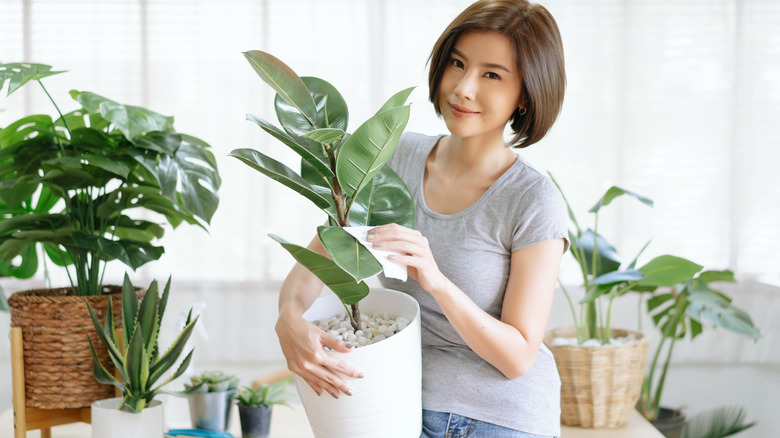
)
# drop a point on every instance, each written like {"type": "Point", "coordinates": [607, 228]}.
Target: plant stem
{"type": "Point", "coordinates": [649, 408]}
{"type": "Point", "coordinates": [64, 122]}
{"type": "Point", "coordinates": [354, 317]}
{"type": "Point", "coordinates": [571, 305]}
{"type": "Point", "coordinates": [660, 387]}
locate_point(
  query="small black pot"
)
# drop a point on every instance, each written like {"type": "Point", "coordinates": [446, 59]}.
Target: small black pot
{"type": "Point", "coordinates": [670, 422]}
{"type": "Point", "coordinates": [255, 422]}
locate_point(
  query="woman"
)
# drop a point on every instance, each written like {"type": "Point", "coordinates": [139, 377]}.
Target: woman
{"type": "Point", "coordinates": [489, 238]}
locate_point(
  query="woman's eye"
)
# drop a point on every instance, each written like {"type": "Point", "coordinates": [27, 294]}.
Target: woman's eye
{"type": "Point", "coordinates": [457, 63]}
{"type": "Point", "coordinates": [492, 75]}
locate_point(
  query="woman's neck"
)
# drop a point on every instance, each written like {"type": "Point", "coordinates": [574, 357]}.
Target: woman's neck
{"type": "Point", "coordinates": [474, 156]}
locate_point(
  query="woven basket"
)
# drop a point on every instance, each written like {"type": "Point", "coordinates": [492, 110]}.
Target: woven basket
{"type": "Point", "coordinates": [58, 371]}
{"type": "Point", "coordinates": [599, 385]}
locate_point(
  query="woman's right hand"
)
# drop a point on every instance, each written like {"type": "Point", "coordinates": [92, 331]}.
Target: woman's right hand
{"type": "Point", "coordinates": [302, 345]}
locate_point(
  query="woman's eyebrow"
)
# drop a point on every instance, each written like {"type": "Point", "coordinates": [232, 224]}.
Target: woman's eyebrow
{"type": "Point", "coordinates": [488, 65]}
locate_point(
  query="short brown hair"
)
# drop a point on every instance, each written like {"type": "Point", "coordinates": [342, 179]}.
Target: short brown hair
{"type": "Point", "coordinates": [538, 52]}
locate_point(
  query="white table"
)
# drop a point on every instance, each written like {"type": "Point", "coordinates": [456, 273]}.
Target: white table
{"type": "Point", "coordinates": [292, 423]}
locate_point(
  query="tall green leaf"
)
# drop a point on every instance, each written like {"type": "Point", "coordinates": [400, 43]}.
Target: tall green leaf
{"type": "Point", "coordinates": [283, 80]}
{"type": "Point", "coordinates": [129, 308]}
{"type": "Point", "coordinates": [338, 280]}
{"type": "Point", "coordinates": [396, 100]}
{"type": "Point", "coordinates": [614, 192]}
{"type": "Point", "coordinates": [348, 253]}
{"type": "Point", "coordinates": [369, 148]}
{"type": "Point", "coordinates": [607, 260]}
{"type": "Point", "coordinates": [332, 111]}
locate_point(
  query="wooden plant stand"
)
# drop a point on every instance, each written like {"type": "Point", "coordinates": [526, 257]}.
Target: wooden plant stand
{"type": "Point", "coordinates": [26, 418]}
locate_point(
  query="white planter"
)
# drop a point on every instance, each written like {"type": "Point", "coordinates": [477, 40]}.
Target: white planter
{"type": "Point", "coordinates": [387, 402]}
{"type": "Point", "coordinates": [109, 422]}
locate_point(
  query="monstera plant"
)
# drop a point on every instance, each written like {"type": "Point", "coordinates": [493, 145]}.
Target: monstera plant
{"type": "Point", "coordinates": [343, 174]}
{"type": "Point", "coordinates": [70, 183]}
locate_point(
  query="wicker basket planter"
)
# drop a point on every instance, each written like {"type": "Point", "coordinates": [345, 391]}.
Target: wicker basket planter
{"type": "Point", "coordinates": [57, 360]}
{"type": "Point", "coordinates": [599, 385]}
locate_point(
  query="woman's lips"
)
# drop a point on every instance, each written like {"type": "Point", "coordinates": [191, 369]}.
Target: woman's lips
{"type": "Point", "coordinates": [462, 111]}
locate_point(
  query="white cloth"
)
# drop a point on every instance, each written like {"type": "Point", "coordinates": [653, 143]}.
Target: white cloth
{"type": "Point", "coordinates": [391, 269]}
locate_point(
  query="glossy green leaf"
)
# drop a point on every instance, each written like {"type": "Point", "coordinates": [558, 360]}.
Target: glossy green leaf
{"type": "Point", "coordinates": [339, 281]}
{"type": "Point", "coordinates": [616, 277]}
{"type": "Point", "coordinates": [132, 121]}
{"type": "Point", "coordinates": [707, 305]}
{"type": "Point", "coordinates": [348, 253]}
{"type": "Point", "coordinates": [283, 80]}
{"type": "Point", "coordinates": [325, 135]}
{"type": "Point", "coordinates": [281, 173]}
{"type": "Point", "coordinates": [714, 276]}
{"type": "Point", "coordinates": [396, 100]}
{"type": "Point", "coordinates": [607, 260]}
{"type": "Point", "coordinates": [614, 192]}
{"type": "Point", "coordinates": [129, 308]}
{"type": "Point", "coordinates": [369, 148]}
{"type": "Point", "coordinates": [332, 111]}
{"type": "Point", "coordinates": [667, 270]}
{"type": "Point", "coordinates": [385, 200]}
{"type": "Point", "coordinates": [311, 153]}
{"type": "Point", "coordinates": [26, 268]}
{"type": "Point", "coordinates": [19, 73]}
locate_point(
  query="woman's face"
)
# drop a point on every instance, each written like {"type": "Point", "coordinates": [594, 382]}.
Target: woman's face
{"type": "Point", "coordinates": [481, 86]}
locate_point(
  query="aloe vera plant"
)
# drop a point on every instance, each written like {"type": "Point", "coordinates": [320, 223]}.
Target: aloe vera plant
{"type": "Point", "coordinates": [343, 174]}
{"type": "Point", "coordinates": [136, 354]}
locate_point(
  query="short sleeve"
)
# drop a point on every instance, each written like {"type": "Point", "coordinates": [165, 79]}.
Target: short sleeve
{"type": "Point", "coordinates": [541, 216]}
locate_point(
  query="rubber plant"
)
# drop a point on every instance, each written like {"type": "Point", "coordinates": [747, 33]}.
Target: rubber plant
{"type": "Point", "coordinates": [67, 183]}
{"type": "Point", "coordinates": [684, 309]}
{"type": "Point", "coordinates": [606, 277]}
{"type": "Point", "coordinates": [136, 352]}
{"type": "Point", "coordinates": [342, 174]}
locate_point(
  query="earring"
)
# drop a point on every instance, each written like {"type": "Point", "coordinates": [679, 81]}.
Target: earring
{"type": "Point", "coordinates": [523, 111]}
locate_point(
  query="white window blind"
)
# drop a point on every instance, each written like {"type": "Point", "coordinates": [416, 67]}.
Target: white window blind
{"type": "Point", "coordinates": [676, 100]}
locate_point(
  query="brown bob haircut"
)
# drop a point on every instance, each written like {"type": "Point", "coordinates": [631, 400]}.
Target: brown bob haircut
{"type": "Point", "coordinates": [538, 54]}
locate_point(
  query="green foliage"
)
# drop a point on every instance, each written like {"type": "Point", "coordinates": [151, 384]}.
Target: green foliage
{"type": "Point", "coordinates": [686, 308]}
{"type": "Point", "coordinates": [212, 381]}
{"type": "Point", "coordinates": [136, 354]}
{"type": "Point", "coordinates": [342, 174]}
{"type": "Point", "coordinates": [265, 395]}
{"type": "Point", "coordinates": [68, 184]}
{"type": "Point", "coordinates": [716, 423]}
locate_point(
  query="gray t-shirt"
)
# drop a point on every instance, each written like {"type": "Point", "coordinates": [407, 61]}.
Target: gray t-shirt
{"type": "Point", "coordinates": [472, 248]}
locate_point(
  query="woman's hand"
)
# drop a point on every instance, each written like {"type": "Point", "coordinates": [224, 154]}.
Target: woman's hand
{"type": "Point", "coordinates": [416, 256]}
{"type": "Point", "coordinates": [302, 344]}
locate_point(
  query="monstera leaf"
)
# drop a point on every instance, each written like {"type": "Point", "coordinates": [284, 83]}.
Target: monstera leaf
{"type": "Point", "coordinates": [19, 73]}
{"type": "Point", "coordinates": [132, 121]}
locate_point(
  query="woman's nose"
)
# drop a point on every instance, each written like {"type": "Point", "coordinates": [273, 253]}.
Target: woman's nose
{"type": "Point", "coordinates": [466, 87]}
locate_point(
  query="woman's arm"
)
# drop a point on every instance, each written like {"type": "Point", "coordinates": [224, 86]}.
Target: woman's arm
{"type": "Point", "coordinates": [511, 343]}
{"type": "Point", "coordinates": [302, 342]}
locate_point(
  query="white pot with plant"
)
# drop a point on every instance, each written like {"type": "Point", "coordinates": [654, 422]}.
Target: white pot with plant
{"type": "Point", "coordinates": [140, 362]}
{"type": "Point", "coordinates": [345, 176]}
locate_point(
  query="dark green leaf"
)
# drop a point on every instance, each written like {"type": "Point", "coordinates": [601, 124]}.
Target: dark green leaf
{"type": "Point", "coordinates": [311, 153]}
{"type": "Point", "coordinates": [281, 173]}
{"type": "Point", "coordinates": [718, 422]}
{"type": "Point", "coordinates": [332, 111]}
{"type": "Point", "coordinates": [348, 253]}
{"type": "Point", "coordinates": [129, 308]}
{"type": "Point", "coordinates": [616, 277]}
{"type": "Point", "coordinates": [607, 259]}
{"type": "Point", "coordinates": [283, 80]}
{"type": "Point", "coordinates": [339, 281]}
{"type": "Point", "coordinates": [385, 200]}
{"type": "Point", "coordinates": [657, 300]}
{"type": "Point", "coordinates": [325, 135]}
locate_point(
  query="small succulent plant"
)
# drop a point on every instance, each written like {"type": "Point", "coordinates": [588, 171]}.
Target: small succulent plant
{"type": "Point", "coordinates": [212, 381]}
{"type": "Point", "coordinates": [265, 395]}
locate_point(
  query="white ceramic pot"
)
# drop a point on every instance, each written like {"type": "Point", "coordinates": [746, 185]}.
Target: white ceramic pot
{"type": "Point", "coordinates": [387, 402]}
{"type": "Point", "coordinates": [109, 422]}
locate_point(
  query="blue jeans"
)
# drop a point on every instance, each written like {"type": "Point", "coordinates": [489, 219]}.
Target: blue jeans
{"type": "Point", "coordinates": [446, 425]}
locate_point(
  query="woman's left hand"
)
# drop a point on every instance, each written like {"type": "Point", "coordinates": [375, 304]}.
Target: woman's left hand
{"type": "Point", "coordinates": [416, 256]}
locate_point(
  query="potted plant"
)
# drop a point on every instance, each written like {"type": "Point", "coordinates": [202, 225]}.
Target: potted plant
{"type": "Point", "coordinates": [211, 397]}
{"type": "Point", "coordinates": [255, 406]}
{"type": "Point", "coordinates": [71, 185]}
{"type": "Point", "coordinates": [685, 309]}
{"type": "Point", "coordinates": [601, 367]}
{"type": "Point", "coordinates": [140, 362]}
{"type": "Point", "coordinates": [345, 176]}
